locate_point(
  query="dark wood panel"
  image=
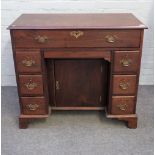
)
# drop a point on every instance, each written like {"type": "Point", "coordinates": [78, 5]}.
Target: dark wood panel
{"type": "Point", "coordinates": [28, 62]}
{"type": "Point", "coordinates": [80, 83]}
{"type": "Point", "coordinates": [126, 61]}
{"type": "Point", "coordinates": [31, 84]}
{"type": "Point", "coordinates": [51, 81]}
{"type": "Point", "coordinates": [34, 106]}
{"type": "Point", "coordinates": [77, 108]}
{"type": "Point", "coordinates": [78, 54]}
{"type": "Point", "coordinates": [122, 105]}
{"type": "Point", "coordinates": [74, 21]}
{"type": "Point", "coordinates": [80, 38]}
{"type": "Point", "coordinates": [124, 84]}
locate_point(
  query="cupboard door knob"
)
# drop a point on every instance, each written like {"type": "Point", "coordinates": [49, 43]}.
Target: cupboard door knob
{"type": "Point", "coordinates": [41, 39]}
{"type": "Point", "coordinates": [28, 62]}
{"type": "Point", "coordinates": [31, 85]}
{"type": "Point", "coordinates": [32, 107]}
{"type": "Point", "coordinates": [122, 107]}
{"type": "Point", "coordinates": [76, 34]}
{"type": "Point", "coordinates": [124, 85]}
{"type": "Point", "coordinates": [111, 38]}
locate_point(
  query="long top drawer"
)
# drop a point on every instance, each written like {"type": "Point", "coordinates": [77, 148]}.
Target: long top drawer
{"type": "Point", "coordinates": [76, 38]}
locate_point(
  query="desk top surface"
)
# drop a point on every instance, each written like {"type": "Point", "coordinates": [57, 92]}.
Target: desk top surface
{"type": "Point", "coordinates": [77, 21]}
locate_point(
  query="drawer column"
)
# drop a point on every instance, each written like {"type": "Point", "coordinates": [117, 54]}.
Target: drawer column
{"type": "Point", "coordinates": [124, 75]}
{"type": "Point", "coordinates": [32, 87]}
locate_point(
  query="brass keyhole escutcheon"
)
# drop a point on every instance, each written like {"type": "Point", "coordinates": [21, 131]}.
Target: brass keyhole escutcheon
{"type": "Point", "coordinates": [76, 34]}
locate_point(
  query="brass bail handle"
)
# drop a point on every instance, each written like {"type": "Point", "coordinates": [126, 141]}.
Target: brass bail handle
{"type": "Point", "coordinates": [125, 62]}
{"type": "Point", "coordinates": [31, 85]}
{"type": "Point", "coordinates": [41, 39]}
{"type": "Point", "coordinates": [32, 107]}
{"type": "Point", "coordinates": [124, 85]}
{"type": "Point", "coordinates": [122, 107]}
{"type": "Point", "coordinates": [28, 62]}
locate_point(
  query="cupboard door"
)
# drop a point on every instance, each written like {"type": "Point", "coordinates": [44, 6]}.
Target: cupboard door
{"type": "Point", "coordinates": [80, 83]}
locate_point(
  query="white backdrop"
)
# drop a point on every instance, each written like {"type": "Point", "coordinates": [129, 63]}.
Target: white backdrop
{"type": "Point", "coordinates": [11, 9]}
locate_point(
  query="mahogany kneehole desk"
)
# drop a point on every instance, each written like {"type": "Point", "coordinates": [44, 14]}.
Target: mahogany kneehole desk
{"type": "Point", "coordinates": [77, 62]}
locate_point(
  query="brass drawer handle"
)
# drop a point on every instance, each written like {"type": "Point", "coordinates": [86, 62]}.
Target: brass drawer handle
{"type": "Point", "coordinates": [122, 107]}
{"type": "Point", "coordinates": [76, 34]}
{"type": "Point", "coordinates": [111, 38]}
{"type": "Point", "coordinates": [124, 85]}
{"type": "Point", "coordinates": [125, 62]}
{"type": "Point", "coordinates": [31, 85]}
{"type": "Point", "coordinates": [32, 107]}
{"type": "Point", "coordinates": [28, 62]}
{"type": "Point", "coordinates": [41, 39]}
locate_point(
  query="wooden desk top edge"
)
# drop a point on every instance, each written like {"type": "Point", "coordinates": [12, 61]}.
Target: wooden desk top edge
{"type": "Point", "coordinates": [77, 21]}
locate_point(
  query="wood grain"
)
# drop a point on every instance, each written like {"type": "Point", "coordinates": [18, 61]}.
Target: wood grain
{"type": "Point", "coordinates": [39, 101]}
{"type": "Point", "coordinates": [77, 21]}
{"type": "Point", "coordinates": [34, 67]}
{"type": "Point", "coordinates": [126, 102]}
{"type": "Point", "coordinates": [90, 38]}
{"type": "Point", "coordinates": [130, 80]}
{"type": "Point", "coordinates": [81, 83]}
{"type": "Point", "coordinates": [25, 79]}
{"type": "Point", "coordinates": [132, 57]}
{"type": "Point", "coordinates": [78, 54]}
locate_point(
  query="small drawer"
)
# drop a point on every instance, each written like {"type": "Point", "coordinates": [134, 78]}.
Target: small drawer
{"type": "Point", "coordinates": [126, 61]}
{"type": "Point", "coordinates": [28, 62]}
{"type": "Point", "coordinates": [123, 105]}
{"type": "Point", "coordinates": [124, 84]}
{"type": "Point", "coordinates": [33, 106]}
{"type": "Point", "coordinates": [31, 84]}
{"type": "Point", "coordinates": [76, 38]}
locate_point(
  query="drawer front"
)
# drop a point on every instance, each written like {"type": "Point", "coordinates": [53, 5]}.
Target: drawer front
{"type": "Point", "coordinates": [28, 62]}
{"type": "Point", "coordinates": [33, 106]}
{"type": "Point", "coordinates": [126, 61]}
{"type": "Point", "coordinates": [76, 38]}
{"type": "Point", "coordinates": [124, 84]}
{"type": "Point", "coordinates": [31, 84]}
{"type": "Point", "coordinates": [123, 105]}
